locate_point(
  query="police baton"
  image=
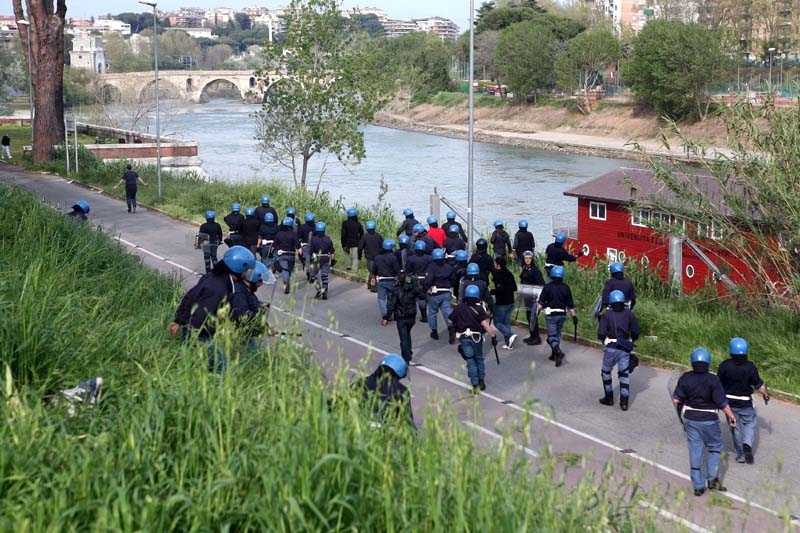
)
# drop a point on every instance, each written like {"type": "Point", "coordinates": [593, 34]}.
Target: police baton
{"type": "Point", "coordinates": [494, 345]}
{"type": "Point", "coordinates": [575, 329]}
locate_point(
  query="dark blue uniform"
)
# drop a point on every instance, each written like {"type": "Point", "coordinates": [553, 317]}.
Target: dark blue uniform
{"type": "Point", "coordinates": [555, 254]}
{"type": "Point", "coordinates": [740, 379]}
{"type": "Point", "coordinates": [617, 330]}
{"type": "Point", "coordinates": [501, 243]}
{"type": "Point", "coordinates": [385, 268]}
{"type": "Point", "coordinates": [285, 246]}
{"type": "Point", "coordinates": [407, 226]}
{"type": "Point", "coordinates": [416, 266]}
{"type": "Point", "coordinates": [523, 242]}
{"type": "Point", "coordinates": [485, 262]}
{"type": "Point", "coordinates": [439, 285]}
{"type": "Point", "coordinates": [321, 249]}
{"type": "Point", "coordinates": [451, 244]}
{"type": "Point", "coordinates": [619, 283]}
{"type": "Point", "coordinates": [210, 245]}
{"type": "Point", "coordinates": [304, 233]}
{"type": "Point", "coordinates": [235, 223]}
{"type": "Point", "coordinates": [555, 300]}
{"type": "Point", "coordinates": [263, 210]}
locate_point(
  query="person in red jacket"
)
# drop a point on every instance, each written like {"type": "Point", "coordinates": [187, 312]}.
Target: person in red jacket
{"type": "Point", "coordinates": [435, 232]}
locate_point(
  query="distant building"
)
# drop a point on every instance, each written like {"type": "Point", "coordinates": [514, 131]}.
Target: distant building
{"type": "Point", "coordinates": [197, 33]}
{"type": "Point", "coordinates": [88, 53]}
{"type": "Point", "coordinates": [219, 16]}
{"type": "Point", "coordinates": [398, 28]}
{"type": "Point", "coordinates": [187, 17]}
{"type": "Point", "coordinates": [8, 32]}
{"type": "Point", "coordinates": [272, 19]}
{"type": "Point", "coordinates": [380, 14]}
{"type": "Point", "coordinates": [104, 25]}
{"type": "Point", "coordinates": [443, 28]}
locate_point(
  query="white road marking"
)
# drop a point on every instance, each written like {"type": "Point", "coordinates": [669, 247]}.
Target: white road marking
{"type": "Point", "coordinates": [691, 526]}
{"type": "Point", "coordinates": [499, 437]}
{"type": "Point", "coordinates": [444, 377]}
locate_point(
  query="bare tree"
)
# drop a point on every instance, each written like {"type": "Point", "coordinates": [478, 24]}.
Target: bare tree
{"type": "Point", "coordinates": [46, 33]}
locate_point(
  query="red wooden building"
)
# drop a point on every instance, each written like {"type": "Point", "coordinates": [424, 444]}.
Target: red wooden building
{"type": "Point", "coordinates": [610, 229]}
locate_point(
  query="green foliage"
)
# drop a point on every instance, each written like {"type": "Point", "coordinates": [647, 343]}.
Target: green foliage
{"type": "Point", "coordinates": [269, 446]}
{"type": "Point", "coordinates": [524, 58]}
{"type": "Point", "coordinates": [672, 65]}
{"type": "Point", "coordinates": [368, 23]}
{"type": "Point", "coordinates": [13, 74]}
{"type": "Point", "coordinates": [78, 87]}
{"type": "Point", "coordinates": [578, 66]}
{"type": "Point", "coordinates": [332, 88]}
{"type": "Point", "coordinates": [122, 58]}
{"type": "Point", "coordinates": [419, 63]}
{"type": "Point", "coordinates": [500, 18]}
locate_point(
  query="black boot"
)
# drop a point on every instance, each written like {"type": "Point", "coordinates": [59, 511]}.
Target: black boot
{"type": "Point", "coordinates": [324, 292]}
{"type": "Point", "coordinates": [608, 399]}
{"type": "Point", "coordinates": [482, 385]}
{"type": "Point", "coordinates": [716, 484]}
{"type": "Point", "coordinates": [423, 316]}
{"type": "Point", "coordinates": [559, 356]}
{"type": "Point", "coordinates": [552, 354]}
{"type": "Point", "coordinates": [318, 295]}
{"type": "Point", "coordinates": [623, 403]}
{"type": "Point", "coordinates": [434, 335]}
{"type": "Point", "coordinates": [748, 454]}
{"type": "Point", "coordinates": [451, 334]}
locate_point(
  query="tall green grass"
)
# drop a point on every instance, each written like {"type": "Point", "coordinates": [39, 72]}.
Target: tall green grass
{"type": "Point", "coordinates": [671, 326]}
{"type": "Point", "coordinates": [172, 447]}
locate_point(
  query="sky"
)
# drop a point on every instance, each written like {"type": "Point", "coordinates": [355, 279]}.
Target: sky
{"type": "Point", "coordinates": [456, 10]}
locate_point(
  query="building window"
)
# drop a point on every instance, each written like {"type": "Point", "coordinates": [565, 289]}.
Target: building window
{"type": "Point", "coordinates": [711, 231]}
{"type": "Point", "coordinates": [597, 211]}
{"type": "Point", "coordinates": [611, 254]}
{"type": "Point", "coordinates": [641, 218]}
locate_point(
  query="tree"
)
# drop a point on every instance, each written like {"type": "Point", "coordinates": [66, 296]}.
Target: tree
{"type": "Point", "coordinates": [578, 66]}
{"type": "Point", "coordinates": [120, 57]}
{"type": "Point", "coordinates": [524, 58]}
{"type": "Point", "coordinates": [485, 49]}
{"type": "Point", "coordinates": [418, 62]}
{"type": "Point", "coordinates": [331, 88]}
{"type": "Point", "coordinates": [216, 55]}
{"type": "Point", "coordinates": [672, 65]}
{"type": "Point", "coordinates": [178, 49]}
{"type": "Point", "coordinates": [243, 21]}
{"type": "Point", "coordinates": [13, 77]}
{"type": "Point", "coordinates": [367, 22]}
{"type": "Point", "coordinates": [46, 34]}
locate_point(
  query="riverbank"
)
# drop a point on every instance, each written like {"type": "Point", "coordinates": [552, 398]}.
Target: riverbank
{"type": "Point", "coordinates": [614, 130]}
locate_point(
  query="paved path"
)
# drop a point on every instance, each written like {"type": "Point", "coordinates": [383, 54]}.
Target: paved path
{"type": "Point", "coordinates": [527, 399]}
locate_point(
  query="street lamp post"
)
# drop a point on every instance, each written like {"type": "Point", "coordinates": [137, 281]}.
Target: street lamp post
{"type": "Point", "coordinates": [24, 22]}
{"type": "Point", "coordinates": [471, 164]}
{"type": "Point", "coordinates": [158, 117]}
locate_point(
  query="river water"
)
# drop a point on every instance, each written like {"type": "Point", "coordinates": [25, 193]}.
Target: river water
{"type": "Point", "coordinates": [510, 183]}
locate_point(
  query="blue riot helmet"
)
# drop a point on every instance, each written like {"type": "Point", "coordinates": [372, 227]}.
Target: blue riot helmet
{"type": "Point", "coordinates": [451, 216]}
{"type": "Point", "coordinates": [211, 215]}
{"type": "Point", "coordinates": [269, 218]}
{"type": "Point", "coordinates": [453, 229]}
{"type": "Point", "coordinates": [499, 224]}
{"type": "Point", "coordinates": [236, 207]}
{"type": "Point", "coordinates": [310, 217]}
{"type": "Point", "coordinates": [238, 259]}
{"type": "Point", "coordinates": [472, 291]}
{"type": "Point", "coordinates": [265, 201]}
{"type": "Point", "coordinates": [420, 246]}
{"type": "Point", "coordinates": [473, 269]}
{"type": "Point", "coordinates": [83, 205]}
{"type": "Point", "coordinates": [249, 211]}
{"type": "Point", "coordinates": [701, 355]}
{"type": "Point", "coordinates": [291, 212]}
{"type": "Point", "coordinates": [288, 221]}
{"type": "Point", "coordinates": [388, 245]}
{"type": "Point", "coordinates": [738, 346]}
{"type": "Point", "coordinates": [408, 212]}
{"type": "Point", "coordinates": [616, 297]}
{"type": "Point", "coordinates": [371, 225]}
{"type": "Point", "coordinates": [256, 275]}
{"type": "Point", "coordinates": [438, 254]}
{"type": "Point", "coordinates": [404, 240]}
{"type": "Point", "coordinates": [432, 221]}
{"type": "Point", "coordinates": [523, 224]}
{"type": "Point", "coordinates": [560, 237]}
{"type": "Point", "coordinates": [616, 268]}
{"type": "Point", "coordinates": [396, 364]}
{"type": "Point", "coordinates": [320, 227]}
{"type": "Point", "coordinates": [557, 272]}
{"type": "Point", "coordinates": [418, 228]}
{"type": "Point", "coordinates": [352, 212]}
{"type": "Point", "coordinates": [462, 256]}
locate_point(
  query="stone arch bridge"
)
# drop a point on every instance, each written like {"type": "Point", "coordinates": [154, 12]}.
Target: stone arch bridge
{"type": "Point", "coordinates": [189, 85]}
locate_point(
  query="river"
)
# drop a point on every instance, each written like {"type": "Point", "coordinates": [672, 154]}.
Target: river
{"type": "Point", "coordinates": [510, 183]}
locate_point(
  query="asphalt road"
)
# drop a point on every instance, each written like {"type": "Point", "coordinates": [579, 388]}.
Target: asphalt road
{"type": "Point", "coordinates": [528, 401]}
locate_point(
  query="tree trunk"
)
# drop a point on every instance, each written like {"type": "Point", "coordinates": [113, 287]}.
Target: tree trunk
{"type": "Point", "coordinates": [306, 157]}
{"type": "Point", "coordinates": [46, 34]}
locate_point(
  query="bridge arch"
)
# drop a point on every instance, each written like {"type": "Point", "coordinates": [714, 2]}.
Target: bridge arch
{"type": "Point", "coordinates": [227, 83]}
{"type": "Point", "coordinates": [166, 89]}
{"type": "Point", "coordinates": [110, 93]}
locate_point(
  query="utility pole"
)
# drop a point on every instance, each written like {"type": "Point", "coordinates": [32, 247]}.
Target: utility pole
{"type": "Point", "coordinates": [471, 163]}
{"type": "Point", "coordinates": [158, 117]}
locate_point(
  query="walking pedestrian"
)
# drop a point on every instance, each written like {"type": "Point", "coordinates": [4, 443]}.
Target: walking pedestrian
{"type": "Point", "coordinates": [482, 258]}
{"type": "Point", "coordinates": [501, 242]}
{"type": "Point", "coordinates": [435, 232]}
{"type": "Point", "coordinates": [417, 266]}
{"type": "Point", "coordinates": [131, 181]}
{"type": "Point", "coordinates": [471, 321]}
{"type": "Point", "coordinates": [323, 258]}
{"type": "Point", "coordinates": [531, 284]}
{"type": "Point", "coordinates": [555, 254]}
{"type": "Point", "coordinates": [286, 249]}
{"type": "Point", "coordinates": [523, 242]}
{"type": "Point", "coordinates": [439, 286]}
{"type": "Point", "coordinates": [505, 288]}
{"type": "Point", "coordinates": [265, 208]}
{"type": "Point", "coordinates": [266, 239]}
{"type": "Point", "coordinates": [385, 268]}
{"type": "Point", "coordinates": [740, 379]}
{"type": "Point", "coordinates": [618, 282]}
{"type": "Point", "coordinates": [451, 221]}
{"type": "Point", "coordinates": [453, 242]}
{"type": "Point", "coordinates": [556, 302]}
{"type": "Point", "coordinates": [402, 307]}
{"type": "Point", "coordinates": [699, 395]}
{"type": "Point", "coordinates": [370, 246]}
{"type": "Point", "coordinates": [618, 330]}
{"type": "Point", "coordinates": [5, 147]}
{"type": "Point", "coordinates": [352, 232]}
{"type": "Point", "coordinates": [408, 224]}
{"type": "Point", "coordinates": [304, 233]}
{"type": "Point", "coordinates": [235, 222]}
{"type": "Point", "coordinates": [209, 238]}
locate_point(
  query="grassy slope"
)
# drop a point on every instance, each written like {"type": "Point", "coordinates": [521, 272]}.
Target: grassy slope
{"type": "Point", "coordinates": [671, 327]}
{"type": "Point", "coordinates": [172, 447]}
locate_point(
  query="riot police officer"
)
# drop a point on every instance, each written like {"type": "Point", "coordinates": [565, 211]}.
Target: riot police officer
{"type": "Point", "coordinates": [235, 222]}
{"type": "Point", "coordinates": [210, 237]}
{"type": "Point", "coordinates": [556, 302]}
{"type": "Point", "coordinates": [618, 330]}
{"type": "Point", "coordinates": [323, 258]}
{"type": "Point", "coordinates": [386, 268]}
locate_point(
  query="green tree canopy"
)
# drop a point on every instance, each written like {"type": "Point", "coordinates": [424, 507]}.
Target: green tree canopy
{"type": "Point", "coordinates": [672, 65]}
{"type": "Point", "coordinates": [578, 66]}
{"type": "Point", "coordinates": [417, 62]}
{"type": "Point", "coordinates": [524, 58]}
{"type": "Point", "coordinates": [332, 87]}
